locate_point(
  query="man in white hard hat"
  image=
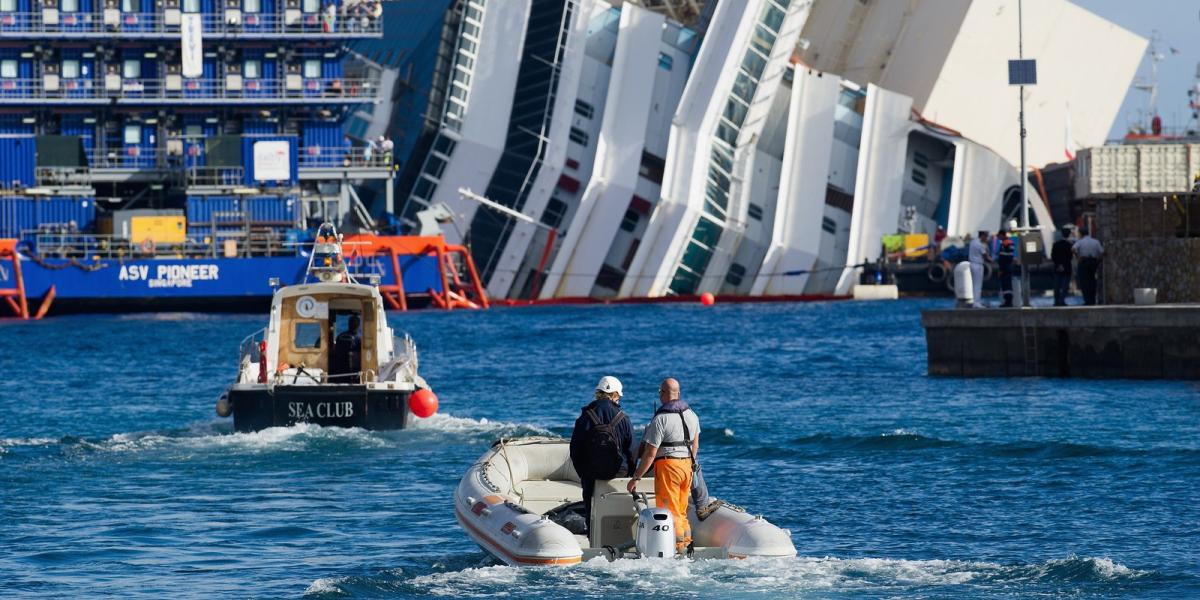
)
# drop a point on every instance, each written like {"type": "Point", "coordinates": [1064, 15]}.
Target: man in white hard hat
{"type": "Point", "coordinates": [602, 442]}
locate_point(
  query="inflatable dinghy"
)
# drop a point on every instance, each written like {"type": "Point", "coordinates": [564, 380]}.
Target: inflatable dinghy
{"type": "Point", "coordinates": [522, 503]}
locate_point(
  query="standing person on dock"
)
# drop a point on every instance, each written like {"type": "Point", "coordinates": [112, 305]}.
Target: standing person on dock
{"type": "Point", "coordinates": [1061, 255]}
{"type": "Point", "coordinates": [670, 444]}
{"type": "Point", "coordinates": [1090, 251]}
{"type": "Point", "coordinates": [1005, 256]}
{"type": "Point", "coordinates": [977, 254]}
{"type": "Point", "coordinates": [602, 442]}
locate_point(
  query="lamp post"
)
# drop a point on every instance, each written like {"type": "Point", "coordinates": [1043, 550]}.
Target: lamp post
{"type": "Point", "coordinates": [1022, 72]}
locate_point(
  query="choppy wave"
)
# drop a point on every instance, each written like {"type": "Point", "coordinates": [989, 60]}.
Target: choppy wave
{"type": "Point", "coordinates": [746, 578]}
{"type": "Point", "coordinates": [902, 440]}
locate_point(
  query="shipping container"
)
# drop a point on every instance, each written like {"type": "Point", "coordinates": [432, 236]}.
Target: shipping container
{"type": "Point", "coordinates": [266, 209]}
{"type": "Point", "coordinates": [1134, 169]}
{"type": "Point", "coordinates": [18, 156]}
{"type": "Point", "coordinates": [22, 217]}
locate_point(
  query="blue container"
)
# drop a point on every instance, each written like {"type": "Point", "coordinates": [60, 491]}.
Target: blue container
{"type": "Point", "coordinates": [21, 217]}
{"type": "Point", "coordinates": [261, 210]}
{"type": "Point", "coordinates": [274, 210]}
{"type": "Point", "coordinates": [18, 159]}
{"type": "Point", "coordinates": [248, 143]}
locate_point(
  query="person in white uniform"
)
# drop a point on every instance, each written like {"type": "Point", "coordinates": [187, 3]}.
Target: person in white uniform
{"type": "Point", "coordinates": [977, 253]}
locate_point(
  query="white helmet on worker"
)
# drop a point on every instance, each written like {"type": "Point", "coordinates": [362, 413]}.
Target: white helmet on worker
{"type": "Point", "coordinates": [609, 384]}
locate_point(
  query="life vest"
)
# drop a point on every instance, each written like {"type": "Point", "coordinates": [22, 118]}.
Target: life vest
{"type": "Point", "coordinates": [678, 407]}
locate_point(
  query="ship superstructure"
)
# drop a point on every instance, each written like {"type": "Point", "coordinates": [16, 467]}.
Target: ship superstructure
{"type": "Point", "coordinates": [746, 153]}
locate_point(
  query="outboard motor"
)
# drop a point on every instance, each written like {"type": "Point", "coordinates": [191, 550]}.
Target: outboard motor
{"type": "Point", "coordinates": [655, 536]}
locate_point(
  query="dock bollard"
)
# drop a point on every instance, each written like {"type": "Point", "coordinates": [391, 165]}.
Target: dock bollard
{"type": "Point", "coordinates": [964, 291]}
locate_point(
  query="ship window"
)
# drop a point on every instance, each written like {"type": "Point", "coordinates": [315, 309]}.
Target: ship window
{"type": "Point", "coordinates": [434, 166]}
{"type": "Point", "coordinates": [311, 6]}
{"type": "Point", "coordinates": [70, 69]}
{"type": "Point", "coordinates": [918, 177]}
{"type": "Point", "coordinates": [735, 275]}
{"type": "Point", "coordinates": [312, 68]}
{"type": "Point", "coordinates": [252, 69]}
{"type": "Point", "coordinates": [665, 61]}
{"type": "Point", "coordinates": [772, 17]}
{"type": "Point", "coordinates": [252, 6]}
{"type": "Point", "coordinates": [920, 160]}
{"type": "Point", "coordinates": [828, 225]}
{"type": "Point", "coordinates": [307, 335]}
{"type": "Point", "coordinates": [443, 145]}
{"type": "Point", "coordinates": [584, 109]}
{"type": "Point", "coordinates": [555, 211]}
{"type": "Point", "coordinates": [8, 5]}
{"type": "Point", "coordinates": [755, 211]}
{"type": "Point", "coordinates": [8, 68]}
{"type": "Point", "coordinates": [133, 135]}
{"type": "Point", "coordinates": [68, 6]}
{"type": "Point", "coordinates": [191, 6]}
{"type": "Point", "coordinates": [131, 69]}
{"type": "Point", "coordinates": [629, 221]}
{"type": "Point", "coordinates": [578, 136]}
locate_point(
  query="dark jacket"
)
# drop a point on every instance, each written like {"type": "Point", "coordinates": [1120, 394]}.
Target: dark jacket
{"type": "Point", "coordinates": [1060, 254]}
{"type": "Point", "coordinates": [606, 411]}
{"type": "Point", "coordinates": [1005, 255]}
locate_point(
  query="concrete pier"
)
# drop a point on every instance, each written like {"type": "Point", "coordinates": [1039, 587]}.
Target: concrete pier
{"type": "Point", "coordinates": [1135, 342]}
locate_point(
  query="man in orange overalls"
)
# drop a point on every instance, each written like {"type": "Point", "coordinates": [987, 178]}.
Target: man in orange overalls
{"type": "Point", "coordinates": [670, 444]}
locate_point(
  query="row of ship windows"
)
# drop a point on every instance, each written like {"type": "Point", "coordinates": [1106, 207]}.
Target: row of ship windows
{"type": "Point", "coordinates": [132, 69]}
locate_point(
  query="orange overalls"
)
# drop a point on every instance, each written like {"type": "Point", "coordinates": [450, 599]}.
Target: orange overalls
{"type": "Point", "coordinates": [672, 489]}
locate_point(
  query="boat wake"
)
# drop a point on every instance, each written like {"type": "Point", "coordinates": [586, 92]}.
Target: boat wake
{"type": "Point", "coordinates": [755, 577]}
{"type": "Point", "coordinates": [219, 436]}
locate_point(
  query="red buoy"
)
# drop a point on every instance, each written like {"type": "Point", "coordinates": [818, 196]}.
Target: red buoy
{"type": "Point", "coordinates": [708, 299]}
{"type": "Point", "coordinates": [423, 403]}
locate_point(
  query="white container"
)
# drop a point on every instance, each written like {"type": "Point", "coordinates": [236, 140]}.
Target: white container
{"type": "Point", "coordinates": [1145, 296]}
{"type": "Point", "coordinates": [1163, 168]}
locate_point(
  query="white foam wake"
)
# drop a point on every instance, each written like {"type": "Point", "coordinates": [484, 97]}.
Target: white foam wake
{"type": "Point", "coordinates": [765, 577]}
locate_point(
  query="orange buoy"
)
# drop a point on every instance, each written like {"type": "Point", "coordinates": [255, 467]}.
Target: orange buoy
{"type": "Point", "coordinates": [708, 299]}
{"type": "Point", "coordinates": [423, 403]}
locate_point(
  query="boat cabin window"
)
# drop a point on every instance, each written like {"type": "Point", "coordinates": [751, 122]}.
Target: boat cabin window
{"type": "Point", "coordinates": [345, 362]}
{"type": "Point", "coordinates": [308, 335]}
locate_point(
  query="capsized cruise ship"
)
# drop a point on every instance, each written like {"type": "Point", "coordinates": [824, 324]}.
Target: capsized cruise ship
{"type": "Point", "coordinates": [740, 147]}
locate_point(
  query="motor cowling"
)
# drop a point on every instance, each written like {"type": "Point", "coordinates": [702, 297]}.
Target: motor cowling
{"type": "Point", "coordinates": [655, 536]}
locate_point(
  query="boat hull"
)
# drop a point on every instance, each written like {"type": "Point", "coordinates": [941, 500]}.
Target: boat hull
{"type": "Point", "coordinates": [256, 408]}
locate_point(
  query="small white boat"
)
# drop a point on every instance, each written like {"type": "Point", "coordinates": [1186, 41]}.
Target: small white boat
{"type": "Point", "coordinates": [522, 503]}
{"type": "Point", "coordinates": [327, 356]}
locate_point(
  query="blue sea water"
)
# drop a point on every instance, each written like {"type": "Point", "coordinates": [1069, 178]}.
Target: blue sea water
{"type": "Point", "coordinates": [117, 479]}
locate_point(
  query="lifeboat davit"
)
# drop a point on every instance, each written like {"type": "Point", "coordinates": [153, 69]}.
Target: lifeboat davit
{"type": "Point", "coordinates": [522, 503]}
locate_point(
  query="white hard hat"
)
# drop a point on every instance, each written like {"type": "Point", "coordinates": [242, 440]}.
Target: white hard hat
{"type": "Point", "coordinates": [609, 384]}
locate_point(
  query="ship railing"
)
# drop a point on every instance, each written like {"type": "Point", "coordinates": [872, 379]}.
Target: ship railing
{"type": "Point", "coordinates": [249, 348]}
{"type": "Point", "coordinates": [341, 156]}
{"type": "Point", "coordinates": [85, 247]}
{"type": "Point", "coordinates": [237, 87]}
{"type": "Point", "coordinates": [201, 176]}
{"type": "Point", "coordinates": [64, 176]}
{"type": "Point", "coordinates": [19, 89]}
{"type": "Point", "coordinates": [111, 22]}
{"type": "Point", "coordinates": [230, 87]}
{"type": "Point", "coordinates": [133, 157]}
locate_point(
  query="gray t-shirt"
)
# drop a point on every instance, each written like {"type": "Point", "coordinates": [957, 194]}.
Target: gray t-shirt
{"type": "Point", "coordinates": [668, 427]}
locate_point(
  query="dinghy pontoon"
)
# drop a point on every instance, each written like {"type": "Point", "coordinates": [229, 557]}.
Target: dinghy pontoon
{"type": "Point", "coordinates": [522, 503]}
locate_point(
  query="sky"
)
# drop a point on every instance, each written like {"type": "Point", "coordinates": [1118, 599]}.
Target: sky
{"type": "Point", "coordinates": [1178, 24]}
